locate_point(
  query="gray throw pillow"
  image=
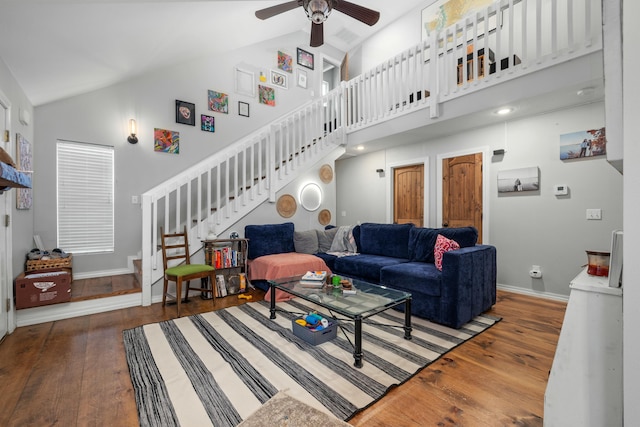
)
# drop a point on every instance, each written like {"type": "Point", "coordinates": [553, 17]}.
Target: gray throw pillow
{"type": "Point", "coordinates": [306, 242]}
{"type": "Point", "coordinates": [325, 239]}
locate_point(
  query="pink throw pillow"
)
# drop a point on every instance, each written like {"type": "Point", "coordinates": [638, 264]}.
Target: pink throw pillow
{"type": "Point", "coordinates": [443, 245]}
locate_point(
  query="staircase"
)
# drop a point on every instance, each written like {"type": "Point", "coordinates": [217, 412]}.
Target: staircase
{"type": "Point", "coordinates": [519, 37]}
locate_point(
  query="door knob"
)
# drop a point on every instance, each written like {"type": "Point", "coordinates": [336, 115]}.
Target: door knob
{"type": "Point", "coordinates": [445, 224]}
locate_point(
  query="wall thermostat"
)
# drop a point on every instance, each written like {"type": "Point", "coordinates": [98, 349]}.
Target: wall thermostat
{"type": "Point", "coordinates": [560, 190]}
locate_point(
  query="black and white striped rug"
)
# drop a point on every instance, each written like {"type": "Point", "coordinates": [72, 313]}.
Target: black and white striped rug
{"type": "Point", "coordinates": [218, 368]}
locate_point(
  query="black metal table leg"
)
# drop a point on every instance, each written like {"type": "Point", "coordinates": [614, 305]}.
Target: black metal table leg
{"type": "Point", "coordinates": [273, 302]}
{"type": "Point", "coordinates": [357, 351]}
{"type": "Point", "coordinates": [407, 319]}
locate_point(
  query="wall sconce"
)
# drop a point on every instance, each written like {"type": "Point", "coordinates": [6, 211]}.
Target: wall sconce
{"type": "Point", "coordinates": [133, 130]}
{"type": "Point", "coordinates": [380, 170]}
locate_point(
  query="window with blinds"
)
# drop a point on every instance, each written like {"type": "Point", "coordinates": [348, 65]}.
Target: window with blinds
{"type": "Point", "coordinates": [85, 197]}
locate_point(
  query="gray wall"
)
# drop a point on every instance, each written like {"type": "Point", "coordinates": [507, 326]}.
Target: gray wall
{"type": "Point", "coordinates": [101, 117]}
{"type": "Point", "coordinates": [527, 228]}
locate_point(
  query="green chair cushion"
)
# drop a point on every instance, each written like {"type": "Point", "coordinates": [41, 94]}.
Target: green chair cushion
{"type": "Point", "coordinates": [184, 270]}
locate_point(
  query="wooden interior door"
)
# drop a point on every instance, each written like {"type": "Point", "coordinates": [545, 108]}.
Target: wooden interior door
{"type": "Point", "coordinates": [462, 192]}
{"type": "Point", "coordinates": [408, 195]}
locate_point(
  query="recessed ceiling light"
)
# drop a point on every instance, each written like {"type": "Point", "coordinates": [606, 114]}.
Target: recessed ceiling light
{"type": "Point", "coordinates": [360, 147]}
{"type": "Point", "coordinates": [587, 91]}
{"type": "Point", "coordinates": [503, 111]}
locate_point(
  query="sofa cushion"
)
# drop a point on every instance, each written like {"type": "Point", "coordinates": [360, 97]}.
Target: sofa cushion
{"type": "Point", "coordinates": [356, 236]}
{"type": "Point", "coordinates": [443, 245]}
{"type": "Point", "coordinates": [421, 244]}
{"type": "Point", "coordinates": [268, 239]}
{"type": "Point", "coordinates": [305, 242]}
{"type": "Point", "coordinates": [364, 266]}
{"type": "Point", "coordinates": [414, 277]}
{"type": "Point", "coordinates": [329, 259]}
{"type": "Point", "coordinates": [423, 240]}
{"type": "Point", "coordinates": [325, 239]}
{"type": "Point", "coordinates": [464, 236]}
{"type": "Point", "coordinates": [390, 240]}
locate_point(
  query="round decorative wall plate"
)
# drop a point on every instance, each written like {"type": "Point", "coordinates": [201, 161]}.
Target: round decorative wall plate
{"type": "Point", "coordinates": [326, 173]}
{"type": "Point", "coordinates": [286, 206]}
{"type": "Point", "coordinates": [324, 217]}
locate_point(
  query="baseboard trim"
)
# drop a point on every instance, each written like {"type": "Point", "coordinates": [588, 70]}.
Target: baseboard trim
{"type": "Point", "coordinates": [32, 316]}
{"type": "Point", "coordinates": [103, 273]}
{"type": "Point", "coordinates": [531, 292]}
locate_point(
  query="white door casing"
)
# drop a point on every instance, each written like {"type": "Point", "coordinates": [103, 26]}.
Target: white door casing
{"type": "Point", "coordinates": [6, 290]}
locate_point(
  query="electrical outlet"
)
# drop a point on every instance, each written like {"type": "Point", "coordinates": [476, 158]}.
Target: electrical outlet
{"type": "Point", "coordinates": [535, 272]}
{"type": "Point", "coordinates": [594, 214]}
{"type": "Point", "coordinates": [135, 200]}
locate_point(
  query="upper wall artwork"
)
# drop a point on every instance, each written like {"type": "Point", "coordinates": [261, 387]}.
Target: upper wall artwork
{"type": "Point", "coordinates": [587, 143]}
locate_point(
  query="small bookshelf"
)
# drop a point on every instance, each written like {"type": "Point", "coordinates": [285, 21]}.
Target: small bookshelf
{"type": "Point", "coordinates": [229, 258]}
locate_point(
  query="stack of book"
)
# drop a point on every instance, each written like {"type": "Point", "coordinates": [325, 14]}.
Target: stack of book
{"type": "Point", "coordinates": [224, 258]}
{"type": "Point", "coordinates": [221, 285]}
{"type": "Point", "coordinates": [313, 279]}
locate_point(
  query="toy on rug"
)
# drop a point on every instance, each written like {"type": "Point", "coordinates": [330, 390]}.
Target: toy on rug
{"type": "Point", "coordinates": [313, 321]}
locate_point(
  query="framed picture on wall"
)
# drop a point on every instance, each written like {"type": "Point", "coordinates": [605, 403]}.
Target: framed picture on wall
{"type": "Point", "coordinates": [266, 95]}
{"type": "Point", "coordinates": [517, 180]}
{"type": "Point", "coordinates": [207, 123]}
{"type": "Point", "coordinates": [166, 141]}
{"type": "Point", "coordinates": [25, 164]}
{"type": "Point", "coordinates": [279, 79]}
{"type": "Point", "coordinates": [285, 62]}
{"type": "Point", "coordinates": [185, 113]}
{"type": "Point", "coordinates": [301, 78]}
{"type": "Point", "coordinates": [245, 82]}
{"type": "Point", "coordinates": [218, 101]}
{"type": "Point", "coordinates": [243, 109]}
{"type": "Point", "coordinates": [583, 144]}
{"type": "Point", "coordinates": [305, 58]}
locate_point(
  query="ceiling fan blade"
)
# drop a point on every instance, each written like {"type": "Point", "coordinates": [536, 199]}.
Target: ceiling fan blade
{"type": "Point", "coordinates": [362, 14]}
{"type": "Point", "coordinates": [277, 9]}
{"type": "Point", "coordinates": [317, 34]}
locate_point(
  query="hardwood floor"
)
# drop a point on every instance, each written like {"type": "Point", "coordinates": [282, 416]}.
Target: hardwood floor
{"type": "Point", "coordinates": [73, 371]}
{"type": "Point", "coordinates": [101, 287]}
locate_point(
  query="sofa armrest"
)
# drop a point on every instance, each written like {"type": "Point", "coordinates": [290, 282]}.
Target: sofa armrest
{"type": "Point", "coordinates": [468, 283]}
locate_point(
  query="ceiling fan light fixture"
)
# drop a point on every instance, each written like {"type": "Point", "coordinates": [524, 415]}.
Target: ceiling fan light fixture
{"type": "Point", "coordinates": [317, 10]}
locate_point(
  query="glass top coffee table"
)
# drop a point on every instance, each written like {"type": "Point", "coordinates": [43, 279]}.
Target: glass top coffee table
{"type": "Point", "coordinates": [368, 300]}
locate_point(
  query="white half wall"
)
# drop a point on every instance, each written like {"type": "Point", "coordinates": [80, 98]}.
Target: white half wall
{"type": "Point", "coordinates": [631, 108]}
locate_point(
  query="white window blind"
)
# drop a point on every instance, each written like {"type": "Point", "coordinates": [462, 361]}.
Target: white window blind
{"type": "Point", "coordinates": [85, 197]}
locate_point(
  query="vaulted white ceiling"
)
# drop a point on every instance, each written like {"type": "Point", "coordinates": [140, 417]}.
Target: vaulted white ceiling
{"type": "Point", "coordinates": [60, 48]}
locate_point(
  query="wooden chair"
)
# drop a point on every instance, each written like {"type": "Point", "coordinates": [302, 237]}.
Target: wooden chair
{"type": "Point", "coordinates": [175, 247]}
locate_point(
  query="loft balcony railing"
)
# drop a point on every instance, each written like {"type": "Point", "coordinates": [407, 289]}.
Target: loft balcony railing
{"type": "Point", "coordinates": [506, 40]}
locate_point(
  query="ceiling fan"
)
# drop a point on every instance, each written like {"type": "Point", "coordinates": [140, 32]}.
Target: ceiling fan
{"type": "Point", "coordinates": [318, 11]}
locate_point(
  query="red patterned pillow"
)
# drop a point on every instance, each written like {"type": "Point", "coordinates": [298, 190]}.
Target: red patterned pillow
{"type": "Point", "coordinates": [443, 245]}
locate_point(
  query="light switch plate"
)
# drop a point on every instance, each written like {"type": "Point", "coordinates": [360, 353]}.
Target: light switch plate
{"type": "Point", "coordinates": [594, 214]}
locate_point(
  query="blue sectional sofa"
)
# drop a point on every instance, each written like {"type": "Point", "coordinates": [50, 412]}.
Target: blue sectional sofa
{"type": "Point", "coordinates": [401, 256]}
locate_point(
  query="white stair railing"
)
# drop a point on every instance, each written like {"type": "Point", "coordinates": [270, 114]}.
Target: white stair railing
{"type": "Point", "coordinates": [505, 40]}
{"type": "Point", "coordinates": [520, 36]}
{"type": "Point", "coordinates": [218, 191]}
